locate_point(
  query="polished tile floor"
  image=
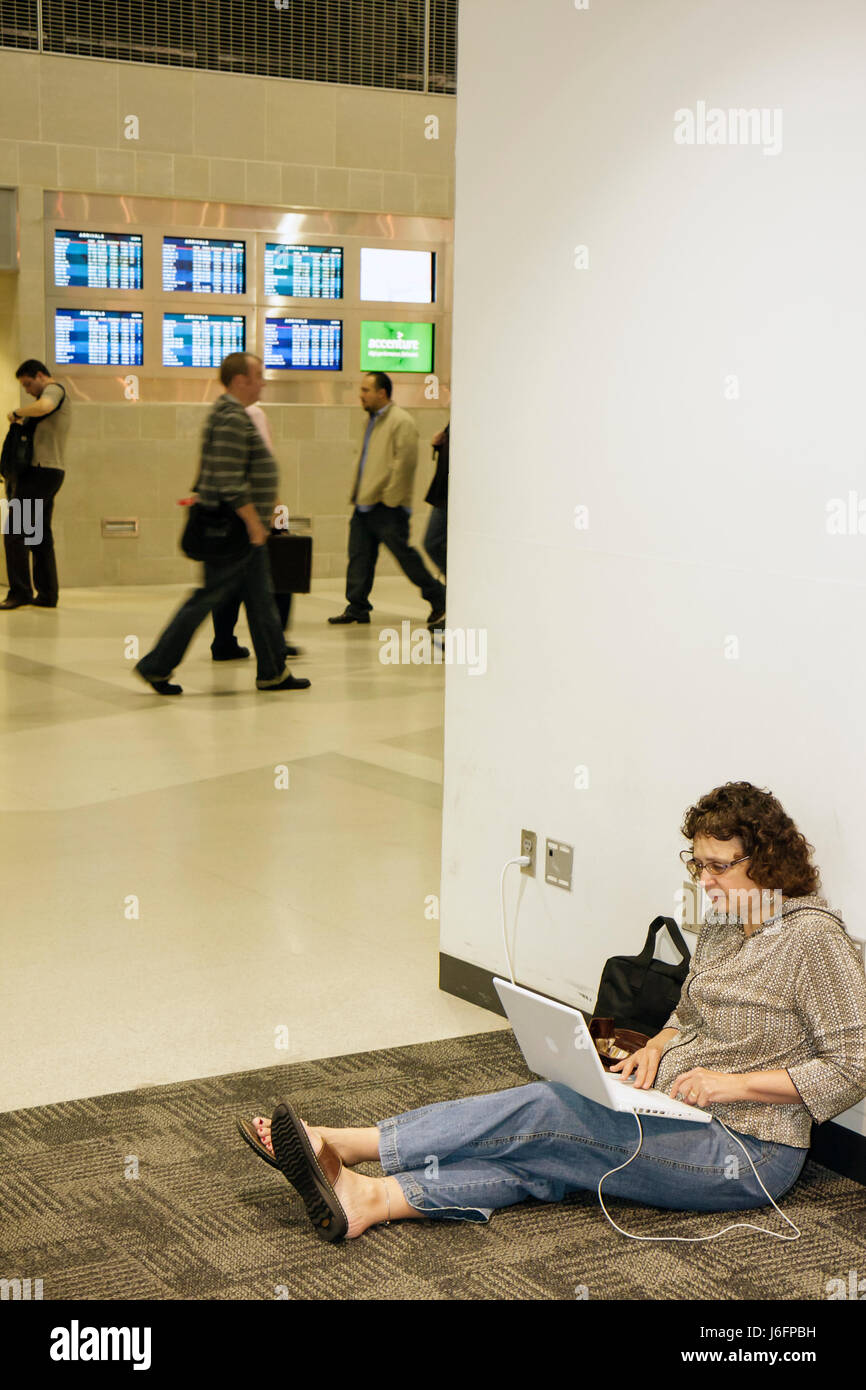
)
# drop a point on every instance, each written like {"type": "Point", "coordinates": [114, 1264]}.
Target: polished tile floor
{"type": "Point", "coordinates": [171, 909]}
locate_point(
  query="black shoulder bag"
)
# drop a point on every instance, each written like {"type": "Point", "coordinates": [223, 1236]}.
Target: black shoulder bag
{"type": "Point", "coordinates": [213, 534]}
{"type": "Point", "coordinates": [17, 452]}
{"type": "Point", "coordinates": [641, 993]}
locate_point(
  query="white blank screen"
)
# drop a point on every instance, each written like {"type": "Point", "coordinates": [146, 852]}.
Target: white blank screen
{"type": "Point", "coordinates": [399, 277]}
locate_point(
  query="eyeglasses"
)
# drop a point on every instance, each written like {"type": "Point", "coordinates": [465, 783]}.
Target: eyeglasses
{"type": "Point", "coordinates": [716, 866]}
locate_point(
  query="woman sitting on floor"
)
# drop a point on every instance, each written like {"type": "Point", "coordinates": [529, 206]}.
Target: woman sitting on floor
{"type": "Point", "coordinates": [769, 1034]}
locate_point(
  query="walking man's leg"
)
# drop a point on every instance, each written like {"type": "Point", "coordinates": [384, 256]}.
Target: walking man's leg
{"type": "Point", "coordinates": [225, 644]}
{"type": "Point", "coordinates": [436, 538]}
{"type": "Point", "coordinates": [257, 593]}
{"type": "Point", "coordinates": [46, 484]}
{"type": "Point", "coordinates": [392, 528]}
{"type": "Point", "coordinates": [158, 664]}
{"type": "Point", "coordinates": [284, 608]}
{"type": "Point", "coordinates": [361, 570]}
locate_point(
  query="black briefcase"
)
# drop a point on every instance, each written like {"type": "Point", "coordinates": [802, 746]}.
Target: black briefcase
{"type": "Point", "coordinates": [291, 557]}
{"type": "Point", "coordinates": [640, 992]}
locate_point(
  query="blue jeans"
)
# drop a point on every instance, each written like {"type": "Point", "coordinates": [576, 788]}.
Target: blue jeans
{"type": "Point", "coordinates": [461, 1159]}
{"type": "Point", "coordinates": [436, 538]}
{"type": "Point", "coordinates": [248, 577]}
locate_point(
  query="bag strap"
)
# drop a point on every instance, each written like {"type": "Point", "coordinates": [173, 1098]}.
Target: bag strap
{"type": "Point", "coordinates": [54, 409]}
{"type": "Point", "coordinates": [675, 935]}
{"type": "Point", "coordinates": [825, 912]}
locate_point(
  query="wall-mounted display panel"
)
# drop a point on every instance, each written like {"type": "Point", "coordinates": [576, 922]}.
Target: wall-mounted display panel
{"type": "Point", "coordinates": [303, 272]}
{"type": "Point", "coordinates": [201, 340]}
{"type": "Point", "coordinates": [203, 265]}
{"type": "Point", "coordinates": [396, 347]}
{"type": "Point", "coordinates": [98, 260]}
{"type": "Point", "coordinates": [314, 361]}
{"type": "Point", "coordinates": [99, 337]}
{"type": "Point", "coordinates": [304, 345]}
{"type": "Point", "coordinates": [391, 276]}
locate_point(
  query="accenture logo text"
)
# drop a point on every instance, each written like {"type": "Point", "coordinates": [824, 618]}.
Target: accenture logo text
{"type": "Point", "coordinates": [711, 125]}
{"type": "Point", "coordinates": [398, 344]}
{"type": "Point", "coordinates": [77, 1343]}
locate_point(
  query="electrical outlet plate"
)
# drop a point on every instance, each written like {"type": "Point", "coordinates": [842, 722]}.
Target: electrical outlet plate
{"type": "Point", "coordinates": [528, 845]}
{"type": "Point", "coordinates": [558, 864]}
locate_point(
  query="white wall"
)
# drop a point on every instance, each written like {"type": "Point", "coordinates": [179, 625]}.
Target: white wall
{"type": "Point", "coordinates": [608, 387]}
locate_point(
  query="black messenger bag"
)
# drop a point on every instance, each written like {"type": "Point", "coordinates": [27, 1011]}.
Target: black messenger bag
{"type": "Point", "coordinates": [216, 534]}
{"type": "Point", "coordinates": [17, 451]}
{"type": "Point", "coordinates": [639, 992]}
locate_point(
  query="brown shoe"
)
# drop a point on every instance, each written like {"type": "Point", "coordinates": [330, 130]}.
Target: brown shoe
{"type": "Point", "coordinates": [313, 1176]}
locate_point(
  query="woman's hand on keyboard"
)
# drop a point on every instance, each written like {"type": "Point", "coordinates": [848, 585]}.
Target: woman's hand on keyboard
{"type": "Point", "coordinates": [644, 1063]}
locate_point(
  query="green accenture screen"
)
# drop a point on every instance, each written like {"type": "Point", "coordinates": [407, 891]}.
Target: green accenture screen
{"type": "Point", "coordinates": [396, 347]}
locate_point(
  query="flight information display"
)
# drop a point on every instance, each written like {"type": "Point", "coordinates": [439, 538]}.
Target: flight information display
{"type": "Point", "coordinates": [98, 337]}
{"type": "Point", "coordinates": [202, 265]}
{"type": "Point", "coordinates": [304, 272]}
{"type": "Point", "coordinates": [304, 345]}
{"type": "Point", "coordinates": [98, 260]}
{"type": "Point", "coordinates": [201, 340]}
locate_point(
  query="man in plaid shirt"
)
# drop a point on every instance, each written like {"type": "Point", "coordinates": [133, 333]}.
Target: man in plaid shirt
{"type": "Point", "coordinates": [237, 467]}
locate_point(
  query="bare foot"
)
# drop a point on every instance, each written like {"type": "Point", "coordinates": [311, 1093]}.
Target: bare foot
{"type": "Point", "coordinates": [366, 1201]}
{"type": "Point", "coordinates": [263, 1129]}
{"type": "Point", "coordinates": [353, 1145]}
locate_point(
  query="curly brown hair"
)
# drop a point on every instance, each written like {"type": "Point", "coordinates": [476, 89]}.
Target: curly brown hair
{"type": "Point", "coordinates": [780, 854]}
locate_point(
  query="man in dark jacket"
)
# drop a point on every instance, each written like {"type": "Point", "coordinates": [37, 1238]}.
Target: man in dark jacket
{"type": "Point", "coordinates": [237, 467]}
{"type": "Point", "coordinates": [436, 537]}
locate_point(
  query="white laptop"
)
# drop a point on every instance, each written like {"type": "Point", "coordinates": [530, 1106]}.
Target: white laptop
{"type": "Point", "coordinates": [556, 1044]}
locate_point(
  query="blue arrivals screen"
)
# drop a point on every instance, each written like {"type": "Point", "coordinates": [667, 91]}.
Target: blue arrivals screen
{"type": "Point", "coordinates": [201, 340]}
{"type": "Point", "coordinates": [304, 272]}
{"type": "Point", "coordinates": [98, 337]}
{"type": "Point", "coordinates": [304, 345]}
{"type": "Point", "coordinates": [202, 265]}
{"type": "Point", "coordinates": [97, 260]}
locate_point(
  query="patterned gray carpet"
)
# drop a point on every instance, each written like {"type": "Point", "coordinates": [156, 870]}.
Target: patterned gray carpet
{"type": "Point", "coordinates": [206, 1219]}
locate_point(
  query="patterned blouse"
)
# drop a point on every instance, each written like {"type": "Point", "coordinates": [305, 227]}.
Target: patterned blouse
{"type": "Point", "coordinates": [791, 995]}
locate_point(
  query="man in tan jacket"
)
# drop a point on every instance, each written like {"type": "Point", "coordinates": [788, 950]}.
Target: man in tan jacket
{"type": "Point", "coordinates": [382, 495]}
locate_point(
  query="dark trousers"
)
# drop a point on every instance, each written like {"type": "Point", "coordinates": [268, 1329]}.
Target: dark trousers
{"type": "Point", "coordinates": [225, 617]}
{"type": "Point", "coordinates": [436, 537]}
{"type": "Point", "coordinates": [388, 526]}
{"type": "Point", "coordinates": [248, 579]}
{"type": "Point", "coordinates": [38, 487]}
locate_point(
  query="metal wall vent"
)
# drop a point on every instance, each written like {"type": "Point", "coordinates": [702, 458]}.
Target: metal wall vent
{"type": "Point", "coordinates": [19, 24]}
{"type": "Point", "coordinates": [120, 527]}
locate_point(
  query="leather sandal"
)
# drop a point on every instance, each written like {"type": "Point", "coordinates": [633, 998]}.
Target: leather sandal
{"type": "Point", "coordinates": [313, 1176]}
{"type": "Point", "coordinates": [249, 1132]}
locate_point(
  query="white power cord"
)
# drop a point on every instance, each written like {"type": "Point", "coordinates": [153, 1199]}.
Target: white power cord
{"type": "Point", "coordinates": [741, 1225]}
{"type": "Point", "coordinates": [521, 859]}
